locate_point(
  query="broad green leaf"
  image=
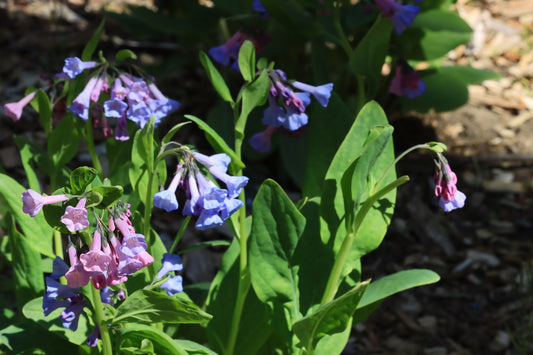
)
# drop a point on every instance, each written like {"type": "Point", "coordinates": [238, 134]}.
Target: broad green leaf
{"type": "Point", "coordinates": [41, 104]}
{"type": "Point", "coordinates": [80, 178]}
{"type": "Point", "coordinates": [255, 321]}
{"type": "Point", "coordinates": [26, 263]}
{"type": "Point", "coordinates": [445, 90]}
{"type": "Point", "coordinates": [110, 194]}
{"type": "Point", "coordinates": [125, 54]}
{"type": "Point", "coordinates": [63, 142]}
{"type": "Point", "coordinates": [147, 307]}
{"type": "Point", "coordinates": [94, 198]}
{"type": "Point", "coordinates": [26, 337]}
{"type": "Point", "coordinates": [194, 348]}
{"type": "Point", "coordinates": [35, 229]}
{"type": "Point", "coordinates": [389, 285]}
{"type": "Point", "coordinates": [276, 228]}
{"type": "Point", "coordinates": [247, 60]}
{"type": "Point", "coordinates": [368, 57]}
{"type": "Point", "coordinates": [433, 34]}
{"type": "Point", "coordinates": [90, 47]}
{"type": "Point", "coordinates": [331, 318]}
{"type": "Point", "coordinates": [216, 79]}
{"type": "Point", "coordinates": [132, 337]}
{"type": "Point", "coordinates": [31, 155]}
{"type": "Point", "coordinates": [469, 74]}
{"type": "Point", "coordinates": [217, 142]}
{"type": "Point", "coordinates": [33, 310]}
{"type": "Point", "coordinates": [336, 121]}
{"type": "Point", "coordinates": [253, 95]}
{"type": "Point", "coordinates": [335, 343]}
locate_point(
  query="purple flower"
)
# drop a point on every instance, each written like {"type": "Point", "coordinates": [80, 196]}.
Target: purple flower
{"type": "Point", "coordinates": [139, 113]}
{"type": "Point", "coordinates": [71, 315]}
{"type": "Point", "coordinates": [76, 275]}
{"type": "Point", "coordinates": [445, 187]}
{"type": "Point", "coordinates": [95, 260]}
{"type": "Point", "coordinates": [170, 262]}
{"type": "Point", "coordinates": [401, 16]}
{"type": "Point", "coordinates": [121, 130]}
{"type": "Point", "coordinates": [261, 140]}
{"type": "Point", "coordinates": [257, 6]}
{"type": "Point", "coordinates": [115, 108]}
{"type": "Point", "coordinates": [80, 105]}
{"type": "Point", "coordinates": [407, 82]}
{"type": "Point", "coordinates": [173, 285]}
{"type": "Point", "coordinates": [208, 219]}
{"type": "Point", "coordinates": [133, 244]}
{"type": "Point", "coordinates": [14, 109]}
{"type": "Point", "coordinates": [321, 93]}
{"type": "Point", "coordinates": [229, 51]}
{"type": "Point", "coordinates": [32, 201]}
{"type": "Point", "coordinates": [92, 341]}
{"type": "Point", "coordinates": [166, 199]}
{"type": "Point", "coordinates": [74, 66]}
{"type": "Point", "coordinates": [75, 218]}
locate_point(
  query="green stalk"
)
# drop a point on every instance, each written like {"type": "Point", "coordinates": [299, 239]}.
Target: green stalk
{"type": "Point", "coordinates": [335, 275]}
{"type": "Point", "coordinates": [58, 244]}
{"type": "Point", "coordinates": [148, 204]}
{"type": "Point", "coordinates": [100, 321]}
{"type": "Point", "coordinates": [179, 235]}
{"type": "Point", "coordinates": [89, 140]}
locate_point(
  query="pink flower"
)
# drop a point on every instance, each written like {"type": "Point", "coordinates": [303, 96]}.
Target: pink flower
{"type": "Point", "coordinates": [445, 180]}
{"type": "Point", "coordinates": [14, 109]}
{"type": "Point", "coordinates": [80, 105]}
{"type": "Point", "coordinates": [32, 201]}
{"type": "Point", "coordinates": [76, 276]}
{"type": "Point", "coordinates": [75, 218]}
{"type": "Point", "coordinates": [95, 260]}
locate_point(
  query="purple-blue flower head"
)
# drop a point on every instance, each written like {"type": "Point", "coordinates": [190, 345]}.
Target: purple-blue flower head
{"type": "Point", "coordinates": [166, 199]}
{"type": "Point", "coordinates": [457, 202]}
{"type": "Point", "coordinates": [401, 16]}
{"type": "Point", "coordinates": [321, 93]}
{"type": "Point", "coordinates": [406, 82]}
{"type": "Point", "coordinates": [74, 66]}
{"type": "Point", "coordinates": [170, 263]}
{"type": "Point", "coordinates": [115, 108]}
{"type": "Point", "coordinates": [173, 285]}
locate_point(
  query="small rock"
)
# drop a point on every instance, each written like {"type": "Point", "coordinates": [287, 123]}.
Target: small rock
{"type": "Point", "coordinates": [428, 323]}
{"type": "Point", "coordinates": [501, 341]}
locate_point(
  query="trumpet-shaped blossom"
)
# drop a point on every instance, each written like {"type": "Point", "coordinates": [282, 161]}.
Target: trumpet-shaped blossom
{"type": "Point", "coordinates": [71, 315]}
{"type": "Point", "coordinates": [95, 260]}
{"type": "Point", "coordinates": [14, 109]}
{"type": "Point", "coordinates": [115, 108]}
{"type": "Point", "coordinates": [32, 201]}
{"type": "Point", "coordinates": [80, 105]}
{"type": "Point", "coordinates": [445, 188]}
{"type": "Point", "coordinates": [169, 263]}
{"type": "Point", "coordinates": [228, 52]}
{"type": "Point", "coordinates": [321, 93]}
{"type": "Point", "coordinates": [261, 141]}
{"type": "Point", "coordinates": [173, 285]}
{"type": "Point", "coordinates": [75, 218]}
{"type": "Point", "coordinates": [406, 82]}
{"type": "Point", "coordinates": [166, 199]}
{"type": "Point", "coordinates": [401, 16]}
{"type": "Point", "coordinates": [121, 130]}
{"type": "Point", "coordinates": [92, 340]}
{"type": "Point", "coordinates": [74, 66]}
{"type": "Point", "coordinates": [76, 275]}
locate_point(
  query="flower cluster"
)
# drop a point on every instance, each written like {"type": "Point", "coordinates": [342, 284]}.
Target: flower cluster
{"type": "Point", "coordinates": [212, 204]}
{"type": "Point", "coordinates": [171, 263]}
{"type": "Point", "coordinates": [131, 98]}
{"type": "Point", "coordinates": [406, 82]}
{"type": "Point", "coordinates": [401, 16]}
{"type": "Point", "coordinates": [445, 186]}
{"type": "Point", "coordinates": [286, 109]}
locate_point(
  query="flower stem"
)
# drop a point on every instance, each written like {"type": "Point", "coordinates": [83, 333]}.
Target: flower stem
{"type": "Point", "coordinates": [58, 244]}
{"type": "Point", "coordinates": [100, 321]}
{"type": "Point", "coordinates": [340, 260]}
{"type": "Point", "coordinates": [179, 235]}
{"type": "Point", "coordinates": [89, 140]}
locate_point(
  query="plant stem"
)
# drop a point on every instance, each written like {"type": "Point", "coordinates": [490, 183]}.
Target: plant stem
{"type": "Point", "coordinates": [58, 244]}
{"type": "Point", "coordinates": [179, 235]}
{"type": "Point", "coordinates": [100, 321]}
{"type": "Point", "coordinates": [336, 272]}
{"type": "Point", "coordinates": [89, 140]}
{"type": "Point", "coordinates": [148, 204]}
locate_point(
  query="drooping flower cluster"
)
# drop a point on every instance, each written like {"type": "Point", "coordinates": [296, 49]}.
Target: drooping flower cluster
{"type": "Point", "coordinates": [401, 16]}
{"type": "Point", "coordinates": [227, 54]}
{"type": "Point", "coordinates": [445, 186]}
{"type": "Point", "coordinates": [212, 204]}
{"type": "Point", "coordinates": [131, 98]}
{"type": "Point", "coordinates": [171, 263]}
{"type": "Point", "coordinates": [286, 108]}
{"type": "Point", "coordinates": [406, 82]}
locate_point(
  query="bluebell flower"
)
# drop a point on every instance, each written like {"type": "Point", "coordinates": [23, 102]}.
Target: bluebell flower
{"type": "Point", "coordinates": [173, 285]}
{"type": "Point", "coordinates": [401, 16]}
{"type": "Point", "coordinates": [406, 82]}
{"type": "Point", "coordinates": [169, 263]}
{"type": "Point", "coordinates": [321, 93]}
{"type": "Point", "coordinates": [261, 141]}
{"type": "Point", "coordinates": [166, 199]}
{"type": "Point", "coordinates": [74, 66]}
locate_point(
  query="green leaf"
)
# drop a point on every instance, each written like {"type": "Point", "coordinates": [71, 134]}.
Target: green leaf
{"type": "Point", "coordinates": [80, 178]}
{"type": "Point", "coordinates": [134, 336]}
{"type": "Point", "coordinates": [369, 55]}
{"type": "Point", "coordinates": [41, 104]}
{"type": "Point", "coordinates": [147, 307]}
{"type": "Point", "coordinates": [171, 132]}
{"type": "Point", "coordinates": [63, 142]}
{"type": "Point", "coordinates": [468, 74]}
{"type": "Point", "coordinates": [217, 142]}
{"type": "Point", "coordinates": [89, 49]}
{"type": "Point", "coordinates": [110, 194]}
{"type": "Point", "coordinates": [194, 348]}
{"type": "Point", "coordinates": [94, 198]}
{"type": "Point", "coordinates": [26, 337]}
{"type": "Point", "coordinates": [35, 229]}
{"type": "Point", "coordinates": [331, 318]}
{"type": "Point", "coordinates": [433, 34]}
{"type": "Point", "coordinates": [31, 154]}
{"type": "Point", "coordinates": [26, 263]}
{"type": "Point", "coordinates": [33, 310]}
{"type": "Point", "coordinates": [216, 79]}
{"type": "Point", "coordinates": [276, 228]}
{"type": "Point", "coordinates": [247, 60]}
{"type": "Point", "coordinates": [253, 95]}
{"type": "Point", "coordinates": [125, 54]}
{"type": "Point", "coordinates": [390, 285]}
